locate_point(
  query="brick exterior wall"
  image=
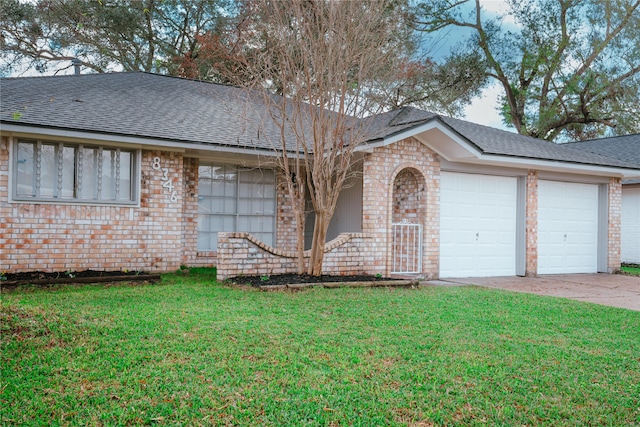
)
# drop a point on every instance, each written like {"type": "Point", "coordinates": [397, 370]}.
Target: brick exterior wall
{"type": "Point", "coordinates": [240, 254]}
{"type": "Point", "coordinates": [380, 170]}
{"type": "Point", "coordinates": [286, 237]}
{"type": "Point", "coordinates": [615, 214]}
{"type": "Point", "coordinates": [60, 237]}
{"type": "Point", "coordinates": [400, 181]}
{"type": "Point", "coordinates": [531, 224]}
{"type": "Point", "coordinates": [190, 211]}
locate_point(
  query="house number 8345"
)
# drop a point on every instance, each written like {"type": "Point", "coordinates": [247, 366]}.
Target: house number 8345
{"type": "Point", "coordinates": [166, 181]}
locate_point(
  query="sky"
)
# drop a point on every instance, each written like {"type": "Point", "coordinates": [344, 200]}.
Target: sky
{"type": "Point", "coordinates": [485, 109]}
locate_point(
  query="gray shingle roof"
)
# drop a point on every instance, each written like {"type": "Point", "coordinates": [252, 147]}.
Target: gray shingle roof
{"type": "Point", "coordinates": [490, 140]}
{"type": "Point", "coordinates": [142, 105]}
{"type": "Point", "coordinates": [625, 148]}
{"type": "Point", "coordinates": [168, 108]}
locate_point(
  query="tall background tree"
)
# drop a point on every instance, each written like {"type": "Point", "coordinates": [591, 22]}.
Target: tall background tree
{"type": "Point", "coordinates": [128, 35]}
{"type": "Point", "coordinates": [568, 69]}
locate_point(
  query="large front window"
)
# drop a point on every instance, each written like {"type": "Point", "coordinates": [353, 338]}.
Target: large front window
{"type": "Point", "coordinates": [73, 172]}
{"type": "Point", "coordinates": [235, 199]}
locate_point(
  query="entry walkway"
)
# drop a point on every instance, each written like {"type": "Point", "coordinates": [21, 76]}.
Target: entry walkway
{"type": "Point", "coordinates": [615, 290]}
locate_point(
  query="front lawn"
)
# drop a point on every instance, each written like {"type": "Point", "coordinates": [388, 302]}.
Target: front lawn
{"type": "Point", "coordinates": [194, 352]}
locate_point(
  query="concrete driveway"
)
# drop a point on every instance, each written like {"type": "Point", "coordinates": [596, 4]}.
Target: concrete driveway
{"type": "Point", "coordinates": [615, 290]}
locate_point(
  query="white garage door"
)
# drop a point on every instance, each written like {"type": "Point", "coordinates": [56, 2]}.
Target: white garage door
{"type": "Point", "coordinates": [630, 225]}
{"type": "Point", "coordinates": [567, 227]}
{"type": "Point", "coordinates": [477, 225]}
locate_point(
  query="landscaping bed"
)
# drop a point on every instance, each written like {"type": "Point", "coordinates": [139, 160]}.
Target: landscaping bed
{"type": "Point", "coordinates": [86, 276]}
{"type": "Point", "coordinates": [279, 281]}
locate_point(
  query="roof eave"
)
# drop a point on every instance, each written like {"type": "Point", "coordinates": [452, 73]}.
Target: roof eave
{"type": "Point", "coordinates": [556, 166]}
{"type": "Point", "coordinates": [29, 130]}
{"type": "Point", "coordinates": [438, 136]}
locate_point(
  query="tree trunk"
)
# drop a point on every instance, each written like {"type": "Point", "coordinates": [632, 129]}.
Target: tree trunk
{"type": "Point", "coordinates": [317, 247]}
{"type": "Point", "coordinates": [300, 218]}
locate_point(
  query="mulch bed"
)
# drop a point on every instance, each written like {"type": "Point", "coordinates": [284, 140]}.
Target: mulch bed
{"type": "Point", "coordinates": [290, 279]}
{"type": "Point", "coordinates": [86, 276]}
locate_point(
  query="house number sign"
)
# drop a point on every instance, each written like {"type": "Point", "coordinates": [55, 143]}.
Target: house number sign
{"type": "Point", "coordinates": [166, 181]}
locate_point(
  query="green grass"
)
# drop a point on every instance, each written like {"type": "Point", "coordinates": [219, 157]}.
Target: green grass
{"type": "Point", "coordinates": [193, 352]}
{"type": "Point", "coordinates": [631, 270]}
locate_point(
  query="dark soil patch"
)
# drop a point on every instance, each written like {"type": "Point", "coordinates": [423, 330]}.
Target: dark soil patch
{"type": "Point", "coordinates": [41, 275]}
{"type": "Point", "coordinates": [40, 278]}
{"type": "Point", "coordinates": [290, 279]}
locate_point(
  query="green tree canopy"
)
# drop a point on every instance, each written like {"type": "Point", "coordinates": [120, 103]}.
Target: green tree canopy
{"type": "Point", "coordinates": [132, 35]}
{"type": "Point", "coordinates": [569, 69]}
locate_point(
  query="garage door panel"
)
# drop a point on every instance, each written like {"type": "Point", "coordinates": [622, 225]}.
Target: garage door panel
{"type": "Point", "coordinates": [567, 227]}
{"type": "Point", "coordinates": [630, 219]}
{"type": "Point", "coordinates": [477, 219]}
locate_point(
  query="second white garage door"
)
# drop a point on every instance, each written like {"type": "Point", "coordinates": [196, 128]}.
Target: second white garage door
{"type": "Point", "coordinates": [630, 241]}
{"type": "Point", "coordinates": [567, 227]}
{"type": "Point", "coordinates": [477, 225]}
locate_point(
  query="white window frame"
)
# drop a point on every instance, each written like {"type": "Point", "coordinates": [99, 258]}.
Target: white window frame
{"type": "Point", "coordinates": [134, 174]}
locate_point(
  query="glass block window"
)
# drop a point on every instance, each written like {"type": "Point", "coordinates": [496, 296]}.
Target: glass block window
{"type": "Point", "coordinates": [47, 171]}
{"type": "Point", "coordinates": [235, 199]}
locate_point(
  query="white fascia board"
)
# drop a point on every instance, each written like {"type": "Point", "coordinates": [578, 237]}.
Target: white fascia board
{"type": "Point", "coordinates": [556, 166]}
{"type": "Point", "coordinates": [136, 142]}
{"type": "Point", "coordinates": [433, 124]}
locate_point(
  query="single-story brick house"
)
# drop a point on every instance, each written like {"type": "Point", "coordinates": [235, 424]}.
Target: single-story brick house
{"type": "Point", "coordinates": [625, 148]}
{"type": "Point", "coordinates": [148, 172]}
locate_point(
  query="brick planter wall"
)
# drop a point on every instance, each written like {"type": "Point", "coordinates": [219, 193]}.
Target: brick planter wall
{"type": "Point", "coordinates": [240, 254]}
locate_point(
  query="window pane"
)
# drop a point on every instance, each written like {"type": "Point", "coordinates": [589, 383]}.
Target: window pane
{"type": "Point", "coordinates": [269, 206]}
{"type": "Point", "coordinates": [244, 206]}
{"type": "Point", "coordinates": [68, 172]}
{"type": "Point", "coordinates": [203, 241]}
{"type": "Point", "coordinates": [126, 170]}
{"type": "Point", "coordinates": [270, 191]}
{"type": "Point", "coordinates": [244, 224]}
{"type": "Point", "coordinates": [230, 189]}
{"type": "Point", "coordinates": [26, 169]}
{"type": "Point", "coordinates": [108, 174]}
{"type": "Point", "coordinates": [229, 205]}
{"type": "Point", "coordinates": [203, 222]}
{"type": "Point", "coordinates": [204, 187]}
{"type": "Point", "coordinates": [48, 171]}
{"type": "Point", "coordinates": [89, 173]}
{"type": "Point", "coordinates": [204, 171]}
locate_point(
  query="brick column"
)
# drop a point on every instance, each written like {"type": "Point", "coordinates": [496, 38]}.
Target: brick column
{"type": "Point", "coordinates": [379, 172]}
{"type": "Point", "coordinates": [531, 267]}
{"type": "Point", "coordinates": [615, 210]}
{"type": "Point", "coordinates": [286, 236]}
{"type": "Point", "coordinates": [190, 211]}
